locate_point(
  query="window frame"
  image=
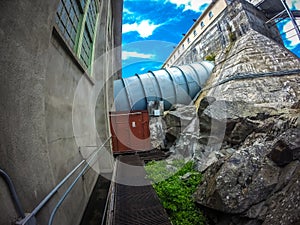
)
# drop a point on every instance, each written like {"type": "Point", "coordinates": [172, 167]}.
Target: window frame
{"type": "Point", "coordinates": [82, 26]}
{"type": "Point", "coordinates": [202, 24]}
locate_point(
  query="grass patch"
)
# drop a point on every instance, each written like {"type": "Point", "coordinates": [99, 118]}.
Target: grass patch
{"type": "Point", "coordinates": [175, 190]}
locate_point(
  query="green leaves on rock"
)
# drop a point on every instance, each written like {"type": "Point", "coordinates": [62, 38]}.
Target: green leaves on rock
{"type": "Point", "coordinates": [175, 191]}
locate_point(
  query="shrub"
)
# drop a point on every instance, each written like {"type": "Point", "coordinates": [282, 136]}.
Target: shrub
{"type": "Point", "coordinates": [176, 193]}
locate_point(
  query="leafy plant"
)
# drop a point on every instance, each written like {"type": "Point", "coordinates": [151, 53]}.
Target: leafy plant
{"type": "Point", "coordinates": [211, 57]}
{"type": "Point", "coordinates": [175, 192]}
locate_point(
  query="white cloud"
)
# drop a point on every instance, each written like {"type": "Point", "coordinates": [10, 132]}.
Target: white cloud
{"type": "Point", "coordinates": [294, 4]}
{"type": "Point", "coordinates": [145, 28]}
{"type": "Point", "coordinates": [127, 11]}
{"type": "Point", "coordinates": [291, 33]}
{"type": "Point", "coordinates": [127, 55]}
{"type": "Point", "coordinates": [190, 4]}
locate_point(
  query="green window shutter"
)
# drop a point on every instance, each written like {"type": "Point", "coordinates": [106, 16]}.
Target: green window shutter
{"type": "Point", "coordinates": [67, 19]}
{"type": "Point", "coordinates": [77, 21]}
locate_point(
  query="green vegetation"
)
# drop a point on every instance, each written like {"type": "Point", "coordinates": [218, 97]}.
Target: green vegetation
{"type": "Point", "coordinates": [175, 191]}
{"type": "Point", "coordinates": [211, 57]}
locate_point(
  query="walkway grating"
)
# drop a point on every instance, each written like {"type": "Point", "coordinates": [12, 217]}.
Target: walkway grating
{"type": "Point", "coordinates": [136, 202]}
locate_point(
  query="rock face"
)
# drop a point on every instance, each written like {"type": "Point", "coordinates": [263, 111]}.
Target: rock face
{"type": "Point", "coordinates": [157, 132]}
{"type": "Point", "coordinates": [179, 118]}
{"type": "Point", "coordinates": [245, 138]}
{"type": "Point", "coordinates": [249, 140]}
{"type": "Point", "coordinates": [262, 164]}
{"type": "Point", "coordinates": [183, 126]}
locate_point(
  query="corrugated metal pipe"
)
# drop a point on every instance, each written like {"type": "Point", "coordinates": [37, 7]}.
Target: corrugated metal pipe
{"type": "Point", "coordinates": [177, 84]}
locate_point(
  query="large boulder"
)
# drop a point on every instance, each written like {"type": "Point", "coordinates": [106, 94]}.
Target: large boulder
{"type": "Point", "coordinates": [252, 182]}
{"type": "Point", "coordinates": [178, 118]}
{"type": "Point", "coordinates": [183, 124]}
{"type": "Point", "coordinates": [226, 125]}
{"type": "Point", "coordinates": [247, 145]}
{"type": "Point", "coordinates": [157, 129]}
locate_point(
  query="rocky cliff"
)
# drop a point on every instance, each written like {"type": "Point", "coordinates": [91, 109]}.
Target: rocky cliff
{"type": "Point", "coordinates": [245, 135]}
{"type": "Point", "coordinates": [250, 117]}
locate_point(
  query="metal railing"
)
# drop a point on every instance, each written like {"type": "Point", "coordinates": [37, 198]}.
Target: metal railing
{"type": "Point", "coordinates": [89, 162]}
{"type": "Point", "coordinates": [13, 193]}
{"type": "Point", "coordinates": [109, 199]}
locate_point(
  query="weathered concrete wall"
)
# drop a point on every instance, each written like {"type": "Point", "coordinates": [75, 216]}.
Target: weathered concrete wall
{"type": "Point", "coordinates": [39, 82]}
{"type": "Point", "coordinates": [24, 152]}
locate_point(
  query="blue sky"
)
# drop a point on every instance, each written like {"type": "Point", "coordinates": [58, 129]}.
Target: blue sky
{"type": "Point", "coordinates": [151, 28]}
{"type": "Point", "coordinates": [290, 38]}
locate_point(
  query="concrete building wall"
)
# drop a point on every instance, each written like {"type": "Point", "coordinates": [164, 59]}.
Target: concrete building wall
{"type": "Point", "coordinates": [44, 92]}
{"type": "Point", "coordinates": [233, 21]}
{"type": "Point", "coordinates": [203, 23]}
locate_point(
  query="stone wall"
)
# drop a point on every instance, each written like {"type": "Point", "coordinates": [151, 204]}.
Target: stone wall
{"type": "Point", "coordinates": [234, 22]}
{"type": "Point", "coordinates": [249, 134]}
{"type": "Point", "coordinates": [246, 142]}
{"type": "Point", "coordinates": [39, 87]}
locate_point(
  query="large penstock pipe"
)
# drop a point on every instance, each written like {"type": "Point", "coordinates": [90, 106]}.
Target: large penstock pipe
{"type": "Point", "coordinates": [178, 84]}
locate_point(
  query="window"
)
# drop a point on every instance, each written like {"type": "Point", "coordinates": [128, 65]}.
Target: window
{"type": "Point", "coordinates": [210, 14]}
{"type": "Point", "coordinates": [188, 40]}
{"type": "Point", "coordinates": [88, 34]}
{"type": "Point", "coordinates": [195, 32]}
{"type": "Point", "coordinates": [76, 21]}
{"type": "Point", "coordinates": [202, 24]}
{"type": "Point", "coordinates": [182, 46]}
{"type": "Point", "coordinates": [67, 18]}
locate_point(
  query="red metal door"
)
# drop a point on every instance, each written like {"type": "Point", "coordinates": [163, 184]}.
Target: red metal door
{"type": "Point", "coordinates": [130, 131]}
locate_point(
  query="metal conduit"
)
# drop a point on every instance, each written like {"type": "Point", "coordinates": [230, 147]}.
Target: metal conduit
{"type": "Point", "coordinates": [89, 163]}
{"type": "Point", "coordinates": [49, 196]}
{"type": "Point", "coordinates": [13, 193]}
{"type": "Point", "coordinates": [178, 84]}
{"type": "Point", "coordinates": [27, 220]}
{"type": "Point", "coordinates": [109, 199]}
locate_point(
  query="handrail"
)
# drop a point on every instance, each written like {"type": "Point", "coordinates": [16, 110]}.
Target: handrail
{"type": "Point", "coordinates": [89, 162]}
{"type": "Point", "coordinates": [109, 195]}
{"type": "Point", "coordinates": [50, 195]}
{"type": "Point", "coordinates": [13, 193]}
